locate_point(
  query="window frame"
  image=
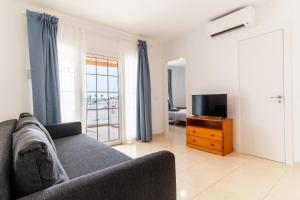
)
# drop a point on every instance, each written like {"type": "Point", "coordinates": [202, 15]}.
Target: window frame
{"type": "Point", "coordinates": [110, 62]}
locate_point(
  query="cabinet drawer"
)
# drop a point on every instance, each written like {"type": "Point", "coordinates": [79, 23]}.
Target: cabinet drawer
{"type": "Point", "coordinates": [203, 142]}
{"type": "Point", "coordinates": [205, 133]}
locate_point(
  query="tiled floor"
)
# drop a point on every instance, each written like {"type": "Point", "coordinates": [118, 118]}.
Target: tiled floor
{"type": "Point", "coordinates": [204, 176]}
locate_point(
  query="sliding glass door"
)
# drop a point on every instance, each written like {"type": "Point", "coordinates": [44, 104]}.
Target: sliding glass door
{"type": "Point", "coordinates": [102, 107]}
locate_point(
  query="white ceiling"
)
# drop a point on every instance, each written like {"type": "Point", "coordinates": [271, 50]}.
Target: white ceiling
{"type": "Point", "coordinates": [157, 19]}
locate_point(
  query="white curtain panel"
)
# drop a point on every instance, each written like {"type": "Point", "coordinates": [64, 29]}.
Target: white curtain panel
{"type": "Point", "coordinates": [71, 59]}
{"type": "Point", "coordinates": [129, 61]}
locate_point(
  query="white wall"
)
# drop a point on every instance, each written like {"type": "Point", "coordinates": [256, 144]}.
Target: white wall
{"type": "Point", "coordinates": [155, 54]}
{"type": "Point", "coordinates": [212, 64]}
{"type": "Point", "coordinates": [295, 44]}
{"type": "Point", "coordinates": [15, 87]}
{"type": "Point", "coordinates": [179, 86]}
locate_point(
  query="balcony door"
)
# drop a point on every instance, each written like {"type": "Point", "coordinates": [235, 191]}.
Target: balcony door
{"type": "Point", "coordinates": [102, 99]}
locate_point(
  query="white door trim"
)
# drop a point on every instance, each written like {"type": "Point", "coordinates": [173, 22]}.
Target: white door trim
{"type": "Point", "coordinates": [166, 110]}
{"type": "Point", "coordinates": [166, 115]}
{"type": "Point", "coordinates": [287, 82]}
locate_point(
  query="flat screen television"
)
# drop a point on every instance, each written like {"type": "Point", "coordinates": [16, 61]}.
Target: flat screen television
{"type": "Point", "coordinates": [212, 105]}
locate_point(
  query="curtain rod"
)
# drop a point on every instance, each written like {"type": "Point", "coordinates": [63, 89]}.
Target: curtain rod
{"type": "Point", "coordinates": [23, 12]}
{"type": "Point", "coordinates": [38, 11]}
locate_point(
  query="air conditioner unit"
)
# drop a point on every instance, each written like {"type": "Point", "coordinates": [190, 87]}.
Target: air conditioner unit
{"type": "Point", "coordinates": [237, 20]}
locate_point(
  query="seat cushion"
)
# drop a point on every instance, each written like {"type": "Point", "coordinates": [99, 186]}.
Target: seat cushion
{"type": "Point", "coordinates": [6, 129]}
{"type": "Point", "coordinates": [81, 154]}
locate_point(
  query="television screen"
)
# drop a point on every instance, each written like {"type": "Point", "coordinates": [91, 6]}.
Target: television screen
{"type": "Point", "coordinates": [214, 105]}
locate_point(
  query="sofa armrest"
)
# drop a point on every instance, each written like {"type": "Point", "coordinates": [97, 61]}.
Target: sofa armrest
{"type": "Point", "coordinates": [151, 177]}
{"type": "Point", "coordinates": [64, 129]}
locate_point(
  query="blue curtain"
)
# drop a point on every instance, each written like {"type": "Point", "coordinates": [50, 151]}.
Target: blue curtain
{"type": "Point", "coordinates": [170, 89]}
{"type": "Point", "coordinates": [42, 38]}
{"type": "Point", "coordinates": [144, 116]}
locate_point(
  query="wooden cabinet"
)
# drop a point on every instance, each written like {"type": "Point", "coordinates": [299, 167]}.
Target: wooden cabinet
{"type": "Point", "coordinates": [210, 134]}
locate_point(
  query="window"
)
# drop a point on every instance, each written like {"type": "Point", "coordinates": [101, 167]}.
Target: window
{"type": "Point", "coordinates": [102, 103]}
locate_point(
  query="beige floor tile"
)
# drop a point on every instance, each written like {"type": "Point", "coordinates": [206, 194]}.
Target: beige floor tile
{"type": "Point", "coordinates": [185, 191]}
{"type": "Point", "coordinates": [288, 186]}
{"type": "Point", "coordinates": [251, 181]}
{"type": "Point", "coordinates": [204, 176]}
{"type": "Point", "coordinates": [281, 196]}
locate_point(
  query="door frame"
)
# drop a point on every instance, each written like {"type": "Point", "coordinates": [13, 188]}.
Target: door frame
{"type": "Point", "coordinates": [102, 55]}
{"type": "Point", "coordinates": [166, 96]}
{"type": "Point", "coordinates": [287, 87]}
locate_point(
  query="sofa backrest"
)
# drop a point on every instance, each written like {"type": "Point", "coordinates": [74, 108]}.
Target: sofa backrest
{"type": "Point", "coordinates": [6, 129]}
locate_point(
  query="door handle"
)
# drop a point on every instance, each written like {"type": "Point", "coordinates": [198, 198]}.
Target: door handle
{"type": "Point", "coordinates": [276, 97]}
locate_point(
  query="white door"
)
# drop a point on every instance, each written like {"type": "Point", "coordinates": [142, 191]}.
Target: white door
{"type": "Point", "coordinates": [261, 96]}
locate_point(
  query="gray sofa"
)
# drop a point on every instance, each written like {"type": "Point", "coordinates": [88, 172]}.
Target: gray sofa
{"type": "Point", "coordinates": [96, 171]}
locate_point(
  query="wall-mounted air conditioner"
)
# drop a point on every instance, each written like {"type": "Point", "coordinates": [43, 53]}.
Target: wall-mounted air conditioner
{"type": "Point", "coordinates": [237, 20]}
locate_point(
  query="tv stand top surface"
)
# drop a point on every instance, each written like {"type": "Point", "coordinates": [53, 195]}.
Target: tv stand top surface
{"type": "Point", "coordinates": [206, 118]}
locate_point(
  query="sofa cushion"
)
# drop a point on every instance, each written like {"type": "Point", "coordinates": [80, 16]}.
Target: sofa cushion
{"type": "Point", "coordinates": [6, 129]}
{"type": "Point", "coordinates": [35, 163]}
{"type": "Point", "coordinates": [26, 119]}
{"type": "Point", "coordinates": [81, 154]}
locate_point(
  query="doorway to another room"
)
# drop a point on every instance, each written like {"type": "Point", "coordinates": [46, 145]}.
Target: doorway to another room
{"type": "Point", "coordinates": [176, 94]}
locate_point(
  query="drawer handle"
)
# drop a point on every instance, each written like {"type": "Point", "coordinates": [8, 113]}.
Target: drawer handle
{"type": "Point", "coordinates": [212, 135]}
{"type": "Point", "coordinates": [194, 131]}
{"type": "Point", "coordinates": [194, 140]}
{"type": "Point", "coordinates": [212, 145]}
